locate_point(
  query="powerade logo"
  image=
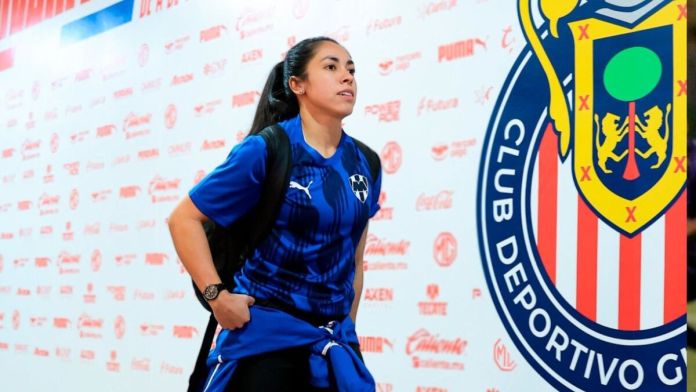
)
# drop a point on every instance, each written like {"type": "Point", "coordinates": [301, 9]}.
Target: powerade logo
{"type": "Point", "coordinates": [573, 70]}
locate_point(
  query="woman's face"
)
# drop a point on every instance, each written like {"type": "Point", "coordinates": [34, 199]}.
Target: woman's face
{"type": "Point", "coordinates": [330, 85]}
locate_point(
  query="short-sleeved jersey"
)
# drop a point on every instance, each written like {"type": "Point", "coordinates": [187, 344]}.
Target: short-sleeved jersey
{"type": "Point", "coordinates": [308, 260]}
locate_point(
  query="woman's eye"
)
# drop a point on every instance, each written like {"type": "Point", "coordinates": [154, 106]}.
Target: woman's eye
{"type": "Point", "coordinates": [331, 67]}
{"type": "Point", "coordinates": [352, 71]}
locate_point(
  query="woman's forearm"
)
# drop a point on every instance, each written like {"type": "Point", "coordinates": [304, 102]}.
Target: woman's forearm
{"type": "Point", "coordinates": [192, 248]}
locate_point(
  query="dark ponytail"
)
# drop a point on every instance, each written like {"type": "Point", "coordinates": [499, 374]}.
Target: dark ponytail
{"type": "Point", "coordinates": [278, 102]}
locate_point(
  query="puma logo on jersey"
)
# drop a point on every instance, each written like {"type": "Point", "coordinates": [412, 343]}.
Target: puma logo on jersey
{"type": "Point", "coordinates": [358, 183]}
{"type": "Point", "coordinates": [295, 185]}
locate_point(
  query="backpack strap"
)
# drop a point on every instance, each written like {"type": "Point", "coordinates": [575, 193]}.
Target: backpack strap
{"type": "Point", "coordinates": [278, 167]}
{"type": "Point", "coordinates": [372, 159]}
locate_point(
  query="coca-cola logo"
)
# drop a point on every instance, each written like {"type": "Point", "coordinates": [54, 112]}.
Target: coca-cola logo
{"type": "Point", "coordinates": [440, 201]}
{"type": "Point", "coordinates": [392, 157]}
{"type": "Point", "coordinates": [161, 189]}
{"type": "Point", "coordinates": [422, 341]}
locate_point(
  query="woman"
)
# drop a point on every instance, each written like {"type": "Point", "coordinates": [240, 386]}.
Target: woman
{"type": "Point", "coordinates": [308, 272]}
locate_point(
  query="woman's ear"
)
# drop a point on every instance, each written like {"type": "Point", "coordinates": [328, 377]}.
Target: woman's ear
{"type": "Point", "coordinates": [296, 85]}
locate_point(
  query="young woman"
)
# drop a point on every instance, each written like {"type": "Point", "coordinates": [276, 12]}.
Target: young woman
{"type": "Point", "coordinates": [308, 272]}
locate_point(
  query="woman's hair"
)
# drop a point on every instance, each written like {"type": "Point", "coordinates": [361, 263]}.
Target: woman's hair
{"type": "Point", "coordinates": [278, 102]}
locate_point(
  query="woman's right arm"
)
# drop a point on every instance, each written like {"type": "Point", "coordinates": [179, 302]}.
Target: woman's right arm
{"type": "Point", "coordinates": [186, 228]}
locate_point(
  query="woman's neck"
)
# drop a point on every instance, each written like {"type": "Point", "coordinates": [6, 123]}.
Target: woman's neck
{"type": "Point", "coordinates": [321, 132]}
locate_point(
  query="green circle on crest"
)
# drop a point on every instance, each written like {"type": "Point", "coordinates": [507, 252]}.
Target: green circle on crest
{"type": "Point", "coordinates": [632, 73]}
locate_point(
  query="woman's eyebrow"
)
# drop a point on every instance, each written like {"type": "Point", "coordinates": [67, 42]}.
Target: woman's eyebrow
{"type": "Point", "coordinates": [334, 58]}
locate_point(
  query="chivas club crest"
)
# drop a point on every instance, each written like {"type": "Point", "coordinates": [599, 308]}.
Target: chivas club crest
{"type": "Point", "coordinates": [581, 194]}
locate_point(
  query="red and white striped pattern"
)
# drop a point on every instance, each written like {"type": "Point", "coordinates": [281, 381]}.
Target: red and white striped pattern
{"type": "Point", "coordinates": [619, 282]}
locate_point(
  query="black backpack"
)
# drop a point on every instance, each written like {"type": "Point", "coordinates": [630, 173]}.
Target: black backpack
{"type": "Point", "coordinates": [231, 246]}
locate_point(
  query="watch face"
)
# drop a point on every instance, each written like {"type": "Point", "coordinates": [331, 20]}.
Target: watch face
{"type": "Point", "coordinates": [211, 292]}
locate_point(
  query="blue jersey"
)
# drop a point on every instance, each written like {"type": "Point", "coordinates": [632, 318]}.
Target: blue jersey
{"type": "Point", "coordinates": [308, 260]}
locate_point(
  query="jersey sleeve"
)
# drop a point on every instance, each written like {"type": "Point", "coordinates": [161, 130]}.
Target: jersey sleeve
{"type": "Point", "coordinates": [234, 187]}
{"type": "Point", "coordinates": [374, 200]}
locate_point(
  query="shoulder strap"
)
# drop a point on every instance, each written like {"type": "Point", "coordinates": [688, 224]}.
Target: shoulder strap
{"type": "Point", "coordinates": [278, 165]}
{"type": "Point", "coordinates": [372, 159]}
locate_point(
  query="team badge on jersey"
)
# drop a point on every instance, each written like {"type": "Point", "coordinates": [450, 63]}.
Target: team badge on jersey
{"type": "Point", "coordinates": [581, 202]}
{"type": "Point", "coordinates": [358, 183]}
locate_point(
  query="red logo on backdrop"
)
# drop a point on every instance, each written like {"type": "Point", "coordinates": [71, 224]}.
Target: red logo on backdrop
{"type": "Point", "coordinates": [507, 42]}
{"type": "Point", "coordinates": [123, 93]}
{"type": "Point", "coordinates": [100, 195]}
{"type": "Point", "coordinates": [391, 157]}
{"type": "Point", "coordinates": [399, 63]}
{"type": "Point", "coordinates": [177, 44]}
{"type": "Point", "coordinates": [68, 234]}
{"type": "Point", "coordinates": [143, 54]}
{"type": "Point", "coordinates": [119, 292]}
{"type": "Point", "coordinates": [432, 307]}
{"type": "Point", "coordinates": [207, 107]}
{"type": "Point", "coordinates": [149, 153]}
{"type": "Point", "coordinates": [433, 7]}
{"type": "Point", "coordinates": [118, 227]}
{"type": "Point", "coordinates": [16, 320]}
{"type": "Point", "coordinates": [382, 247]}
{"type": "Point", "coordinates": [483, 95]}
{"type": "Point", "coordinates": [440, 201]}
{"type": "Point", "coordinates": [129, 191]}
{"type": "Point", "coordinates": [89, 297]}
{"type": "Point", "coordinates": [30, 149]}
{"type": "Point", "coordinates": [170, 116]}
{"type": "Point", "coordinates": [89, 327]}
{"type": "Point", "coordinates": [146, 224]}
{"type": "Point", "coordinates": [445, 249]}
{"type": "Point", "coordinates": [459, 49]}
{"type": "Point", "coordinates": [8, 152]}
{"type": "Point", "coordinates": [178, 80]}
{"type": "Point", "coordinates": [200, 174]}
{"type": "Point", "coordinates": [43, 291]}
{"type": "Point", "coordinates": [113, 365]}
{"type": "Point", "coordinates": [171, 369]}
{"type": "Point", "coordinates": [436, 105]}
{"type": "Point", "coordinates": [251, 23]}
{"type": "Point", "coordinates": [24, 205]}
{"type": "Point", "coordinates": [430, 389]}
{"type": "Point", "coordinates": [144, 295]}
{"type": "Point", "coordinates": [30, 121]}
{"type": "Point", "coordinates": [184, 331]}
{"type": "Point", "coordinates": [42, 262]}
{"type": "Point", "coordinates": [48, 176]}
{"type": "Point", "coordinates": [119, 327]}
{"type": "Point", "coordinates": [374, 344]}
{"type": "Point", "coordinates": [151, 329]}
{"type": "Point", "coordinates": [156, 258]}
{"type": "Point", "coordinates": [163, 190]}
{"type": "Point", "coordinates": [300, 8]}
{"type": "Point", "coordinates": [212, 144]}
{"type": "Point", "coordinates": [136, 125]}
{"type": "Point", "coordinates": [87, 355]}
{"type": "Point", "coordinates": [384, 213]}
{"type": "Point", "coordinates": [381, 294]}
{"type": "Point", "coordinates": [125, 259]}
{"type": "Point", "coordinates": [383, 24]}
{"type": "Point", "coordinates": [96, 260]}
{"type": "Point", "coordinates": [422, 342]}
{"type": "Point", "coordinates": [74, 199]}
{"type": "Point", "coordinates": [384, 387]}
{"type": "Point", "coordinates": [2, 263]}
{"type": "Point", "coordinates": [61, 322]}
{"type": "Point", "coordinates": [37, 321]}
{"type": "Point", "coordinates": [501, 357]}
{"type": "Point", "coordinates": [215, 68]}
{"type": "Point", "coordinates": [48, 204]}
{"type": "Point", "coordinates": [245, 99]}
{"type": "Point", "coordinates": [456, 149]}
{"type": "Point", "coordinates": [252, 55]}
{"type": "Point", "coordinates": [385, 112]}
{"type": "Point", "coordinates": [211, 33]}
{"type": "Point", "coordinates": [51, 115]}
{"type": "Point", "coordinates": [342, 34]}
{"type": "Point", "coordinates": [63, 353]}
{"type": "Point", "coordinates": [106, 130]}
{"type": "Point", "coordinates": [73, 109]}
{"type": "Point", "coordinates": [142, 364]}
{"type": "Point", "coordinates": [73, 168]}
{"type": "Point", "coordinates": [93, 229]}
{"type": "Point", "coordinates": [40, 352]}
{"type": "Point", "coordinates": [68, 263]}
{"type": "Point", "coordinates": [35, 90]}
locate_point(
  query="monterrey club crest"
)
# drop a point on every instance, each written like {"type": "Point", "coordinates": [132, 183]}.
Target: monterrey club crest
{"type": "Point", "coordinates": [358, 183]}
{"type": "Point", "coordinates": [581, 195]}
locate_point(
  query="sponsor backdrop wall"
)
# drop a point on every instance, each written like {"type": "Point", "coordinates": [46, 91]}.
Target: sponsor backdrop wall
{"type": "Point", "coordinates": [531, 235]}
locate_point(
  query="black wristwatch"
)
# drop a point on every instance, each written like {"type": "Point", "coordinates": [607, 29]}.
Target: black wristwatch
{"type": "Point", "coordinates": [213, 290]}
